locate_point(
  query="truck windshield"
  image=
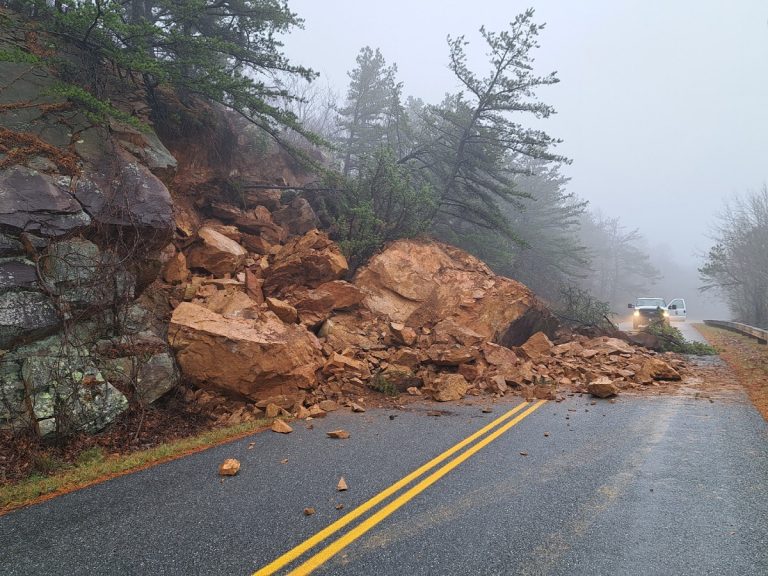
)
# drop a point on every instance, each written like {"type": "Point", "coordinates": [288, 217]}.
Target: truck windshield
{"type": "Point", "coordinates": [658, 302]}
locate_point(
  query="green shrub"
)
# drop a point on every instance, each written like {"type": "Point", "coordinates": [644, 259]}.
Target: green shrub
{"type": "Point", "coordinates": [19, 56]}
{"type": "Point", "coordinates": [381, 384]}
{"type": "Point", "coordinates": [576, 306]}
{"type": "Point", "coordinates": [672, 340]}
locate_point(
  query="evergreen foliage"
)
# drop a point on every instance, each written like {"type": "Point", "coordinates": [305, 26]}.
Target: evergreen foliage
{"type": "Point", "coordinates": [672, 340]}
{"type": "Point", "coordinates": [383, 202]}
{"type": "Point", "coordinates": [225, 51]}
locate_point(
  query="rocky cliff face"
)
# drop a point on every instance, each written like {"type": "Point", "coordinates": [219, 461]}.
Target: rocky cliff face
{"type": "Point", "coordinates": [126, 265]}
{"type": "Point", "coordinates": [84, 216]}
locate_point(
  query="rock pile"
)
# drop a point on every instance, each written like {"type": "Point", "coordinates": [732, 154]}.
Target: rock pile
{"type": "Point", "coordinates": [421, 318]}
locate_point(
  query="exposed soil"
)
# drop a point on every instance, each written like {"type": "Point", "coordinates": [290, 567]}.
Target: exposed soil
{"type": "Point", "coordinates": [747, 359]}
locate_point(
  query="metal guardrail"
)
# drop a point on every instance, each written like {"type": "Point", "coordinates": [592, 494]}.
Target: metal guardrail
{"type": "Point", "coordinates": [760, 335]}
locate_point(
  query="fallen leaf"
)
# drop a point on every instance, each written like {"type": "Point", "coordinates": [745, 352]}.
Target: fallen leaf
{"type": "Point", "coordinates": [309, 511]}
{"type": "Point", "coordinates": [342, 485]}
{"type": "Point", "coordinates": [229, 467]}
{"type": "Point", "coordinates": [339, 506]}
{"type": "Point", "coordinates": [338, 434]}
{"type": "Point", "coordinates": [523, 453]}
{"type": "Point", "coordinates": [281, 427]}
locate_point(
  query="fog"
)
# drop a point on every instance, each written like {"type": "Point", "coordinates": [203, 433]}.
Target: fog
{"type": "Point", "coordinates": [661, 105]}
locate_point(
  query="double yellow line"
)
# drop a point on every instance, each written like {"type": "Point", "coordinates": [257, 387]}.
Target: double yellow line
{"type": "Point", "coordinates": [329, 551]}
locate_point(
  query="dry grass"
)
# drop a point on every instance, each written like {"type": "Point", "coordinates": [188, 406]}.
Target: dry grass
{"type": "Point", "coordinates": [98, 468]}
{"type": "Point", "coordinates": [747, 359]}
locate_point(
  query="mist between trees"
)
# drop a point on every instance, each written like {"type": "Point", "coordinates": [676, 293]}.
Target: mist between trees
{"type": "Point", "coordinates": [737, 265]}
{"type": "Point", "coordinates": [468, 170]}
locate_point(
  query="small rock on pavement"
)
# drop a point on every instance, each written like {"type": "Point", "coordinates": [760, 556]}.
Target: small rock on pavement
{"type": "Point", "coordinates": [309, 511]}
{"type": "Point", "coordinates": [356, 407]}
{"type": "Point", "coordinates": [229, 467]}
{"type": "Point", "coordinates": [486, 410]}
{"type": "Point", "coordinates": [603, 388]}
{"type": "Point", "coordinates": [281, 427]}
{"type": "Point", "coordinates": [339, 434]}
{"type": "Point", "coordinates": [328, 406]}
{"type": "Point", "coordinates": [342, 485]}
{"type": "Point", "coordinates": [523, 453]}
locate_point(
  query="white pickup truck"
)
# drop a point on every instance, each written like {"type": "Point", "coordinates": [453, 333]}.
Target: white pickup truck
{"type": "Point", "coordinates": [646, 310]}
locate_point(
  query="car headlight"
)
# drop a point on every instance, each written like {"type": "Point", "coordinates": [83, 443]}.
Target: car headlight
{"type": "Point", "coordinates": [666, 314]}
{"type": "Point", "coordinates": [636, 313]}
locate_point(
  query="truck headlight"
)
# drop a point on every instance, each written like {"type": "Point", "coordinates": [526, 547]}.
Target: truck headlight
{"type": "Point", "coordinates": [636, 313]}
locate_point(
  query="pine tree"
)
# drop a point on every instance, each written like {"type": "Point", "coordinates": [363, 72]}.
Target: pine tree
{"type": "Point", "coordinates": [370, 118]}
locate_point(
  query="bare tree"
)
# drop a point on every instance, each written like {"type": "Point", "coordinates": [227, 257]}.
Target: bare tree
{"type": "Point", "coordinates": [737, 264]}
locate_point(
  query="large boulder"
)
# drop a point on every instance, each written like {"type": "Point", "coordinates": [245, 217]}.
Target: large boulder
{"type": "Point", "coordinates": [422, 283]}
{"type": "Point", "coordinates": [25, 316]}
{"type": "Point", "coordinates": [129, 203]}
{"type": "Point", "coordinates": [252, 358]}
{"type": "Point", "coordinates": [308, 261]}
{"type": "Point", "coordinates": [65, 392]}
{"type": "Point", "coordinates": [315, 305]}
{"type": "Point", "coordinates": [257, 221]}
{"type": "Point", "coordinates": [34, 202]}
{"type": "Point", "coordinates": [216, 253]}
{"type": "Point", "coordinates": [297, 217]}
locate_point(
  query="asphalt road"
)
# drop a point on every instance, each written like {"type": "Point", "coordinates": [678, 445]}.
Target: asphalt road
{"type": "Point", "coordinates": [661, 485]}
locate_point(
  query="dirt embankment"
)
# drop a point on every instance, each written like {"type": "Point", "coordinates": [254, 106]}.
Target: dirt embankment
{"type": "Point", "coordinates": [747, 359]}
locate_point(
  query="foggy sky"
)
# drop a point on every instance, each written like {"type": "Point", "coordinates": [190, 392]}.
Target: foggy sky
{"type": "Point", "coordinates": [663, 106]}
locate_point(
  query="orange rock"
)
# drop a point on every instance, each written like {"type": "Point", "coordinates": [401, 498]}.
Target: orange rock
{"type": "Point", "coordinates": [328, 405]}
{"type": "Point", "coordinates": [316, 412]}
{"type": "Point", "coordinates": [537, 345]}
{"type": "Point", "coordinates": [229, 467]}
{"type": "Point", "coordinates": [448, 387]}
{"type": "Point", "coordinates": [498, 355]}
{"type": "Point", "coordinates": [338, 434]}
{"type": "Point", "coordinates": [603, 387]}
{"type": "Point", "coordinates": [283, 310]}
{"type": "Point", "coordinates": [309, 260]}
{"type": "Point", "coordinates": [446, 355]}
{"type": "Point", "coordinates": [402, 333]}
{"type": "Point", "coordinates": [281, 427]}
{"type": "Point", "coordinates": [657, 369]}
{"type": "Point", "coordinates": [342, 485]}
{"type": "Point", "coordinates": [253, 358]}
{"type": "Point", "coordinates": [421, 283]}
{"type": "Point", "coordinates": [406, 357]}
{"type": "Point", "coordinates": [497, 384]}
{"type": "Point", "coordinates": [176, 270]}
{"type": "Point", "coordinates": [316, 305]}
{"type": "Point", "coordinates": [340, 364]}
{"type": "Point", "coordinates": [216, 253]}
